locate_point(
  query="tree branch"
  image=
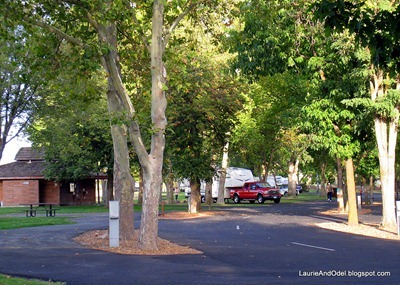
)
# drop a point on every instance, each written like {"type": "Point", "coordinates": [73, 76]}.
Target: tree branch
{"type": "Point", "coordinates": [78, 3]}
{"type": "Point", "coordinates": [177, 21]}
{"type": "Point", "coordinates": [92, 22]}
{"type": "Point", "coordinates": [142, 35]}
{"type": "Point", "coordinates": [54, 30]}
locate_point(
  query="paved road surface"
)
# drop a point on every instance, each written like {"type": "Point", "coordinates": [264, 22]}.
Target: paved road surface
{"type": "Point", "coordinates": [268, 244]}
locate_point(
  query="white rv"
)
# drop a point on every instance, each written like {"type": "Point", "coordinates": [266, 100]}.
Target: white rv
{"type": "Point", "coordinates": [235, 177]}
{"type": "Point", "coordinates": [280, 180]}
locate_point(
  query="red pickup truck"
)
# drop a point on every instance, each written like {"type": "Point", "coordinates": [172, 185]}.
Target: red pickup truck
{"type": "Point", "coordinates": [253, 191]}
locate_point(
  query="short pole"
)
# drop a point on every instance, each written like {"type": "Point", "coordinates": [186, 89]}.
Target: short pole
{"type": "Point", "coordinates": [114, 224]}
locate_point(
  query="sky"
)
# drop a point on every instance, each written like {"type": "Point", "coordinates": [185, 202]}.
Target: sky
{"type": "Point", "coordinates": [12, 148]}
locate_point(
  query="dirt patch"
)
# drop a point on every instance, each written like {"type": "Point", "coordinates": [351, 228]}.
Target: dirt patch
{"type": "Point", "coordinates": [186, 215]}
{"type": "Point", "coordinates": [369, 230]}
{"type": "Point", "coordinates": [362, 229]}
{"type": "Point", "coordinates": [99, 239]}
{"type": "Point", "coordinates": [336, 212]}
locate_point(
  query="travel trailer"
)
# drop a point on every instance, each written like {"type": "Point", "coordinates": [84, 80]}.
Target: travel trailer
{"type": "Point", "coordinates": [235, 177]}
{"type": "Point", "coordinates": [280, 180]}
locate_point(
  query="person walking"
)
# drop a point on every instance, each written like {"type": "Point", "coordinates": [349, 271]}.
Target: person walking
{"type": "Point", "coordinates": [329, 191]}
{"type": "Point", "coordinates": [176, 191]}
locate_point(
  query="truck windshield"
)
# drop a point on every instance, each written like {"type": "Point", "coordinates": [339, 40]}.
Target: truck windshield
{"type": "Point", "coordinates": [263, 185]}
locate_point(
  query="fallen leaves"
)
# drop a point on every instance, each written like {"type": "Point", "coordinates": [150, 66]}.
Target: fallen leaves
{"type": "Point", "coordinates": [99, 240]}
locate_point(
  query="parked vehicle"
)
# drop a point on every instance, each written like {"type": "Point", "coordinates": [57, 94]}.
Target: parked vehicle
{"type": "Point", "coordinates": [188, 191]}
{"type": "Point", "coordinates": [235, 177]}
{"type": "Point", "coordinates": [255, 191]}
{"type": "Point", "coordinates": [277, 180]}
{"type": "Point", "coordinates": [284, 189]}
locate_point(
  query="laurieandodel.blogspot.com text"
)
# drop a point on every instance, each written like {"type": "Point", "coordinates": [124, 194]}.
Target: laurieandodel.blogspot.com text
{"type": "Point", "coordinates": [343, 273]}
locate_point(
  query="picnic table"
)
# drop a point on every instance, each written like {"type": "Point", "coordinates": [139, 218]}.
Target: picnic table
{"type": "Point", "coordinates": [49, 208]}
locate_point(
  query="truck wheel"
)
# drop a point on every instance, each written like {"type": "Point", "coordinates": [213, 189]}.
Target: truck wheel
{"type": "Point", "coordinates": [260, 199]}
{"type": "Point", "coordinates": [203, 199]}
{"type": "Point", "coordinates": [236, 199]}
{"type": "Point", "coordinates": [276, 201]}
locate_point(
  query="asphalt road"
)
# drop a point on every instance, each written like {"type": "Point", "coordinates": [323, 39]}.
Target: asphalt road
{"type": "Point", "coordinates": [269, 244]}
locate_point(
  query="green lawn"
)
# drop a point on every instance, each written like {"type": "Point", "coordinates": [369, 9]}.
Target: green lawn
{"type": "Point", "coordinates": [7, 223]}
{"type": "Point", "coordinates": [5, 279]}
{"type": "Point", "coordinates": [64, 215]}
{"type": "Point", "coordinates": [9, 220]}
{"type": "Point", "coordinates": [303, 197]}
{"type": "Point", "coordinates": [82, 209]}
{"type": "Point", "coordinates": [63, 210]}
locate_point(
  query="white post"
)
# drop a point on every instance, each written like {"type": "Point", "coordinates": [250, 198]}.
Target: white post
{"type": "Point", "coordinates": [114, 224]}
{"type": "Point", "coordinates": [359, 201]}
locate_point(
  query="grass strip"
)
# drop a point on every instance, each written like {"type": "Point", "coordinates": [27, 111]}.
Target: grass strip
{"type": "Point", "coordinates": [8, 223]}
{"type": "Point", "coordinates": [9, 280]}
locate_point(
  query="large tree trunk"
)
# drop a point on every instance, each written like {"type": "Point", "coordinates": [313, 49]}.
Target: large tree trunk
{"type": "Point", "coordinates": [151, 196]}
{"type": "Point", "coordinates": [340, 196]}
{"type": "Point", "coordinates": [322, 193]}
{"type": "Point", "coordinates": [119, 106]}
{"type": "Point", "coordinates": [170, 189]}
{"type": "Point", "coordinates": [140, 192]}
{"type": "Point", "coordinates": [110, 187]}
{"type": "Point", "coordinates": [221, 186]}
{"type": "Point", "coordinates": [268, 166]}
{"type": "Point", "coordinates": [152, 163]}
{"type": "Point", "coordinates": [351, 191]}
{"type": "Point", "coordinates": [209, 198]}
{"type": "Point", "coordinates": [387, 172]}
{"type": "Point", "coordinates": [222, 177]}
{"type": "Point", "coordinates": [123, 181]}
{"type": "Point", "coordinates": [371, 190]}
{"type": "Point", "coordinates": [339, 172]}
{"type": "Point", "coordinates": [292, 177]}
{"type": "Point", "coordinates": [195, 197]}
{"type": "Point", "coordinates": [386, 141]}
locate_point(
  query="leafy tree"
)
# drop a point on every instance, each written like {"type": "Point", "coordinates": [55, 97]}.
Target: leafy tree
{"type": "Point", "coordinates": [267, 52]}
{"type": "Point", "coordinates": [21, 72]}
{"type": "Point", "coordinates": [374, 25]}
{"type": "Point", "coordinates": [71, 124]}
{"type": "Point", "coordinates": [335, 125]}
{"type": "Point", "coordinates": [203, 100]}
{"type": "Point", "coordinates": [276, 37]}
{"type": "Point", "coordinates": [313, 55]}
{"type": "Point", "coordinates": [247, 142]}
{"type": "Point", "coordinates": [108, 29]}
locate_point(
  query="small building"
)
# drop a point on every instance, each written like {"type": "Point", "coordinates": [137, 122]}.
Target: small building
{"type": "Point", "coordinates": [23, 182]}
